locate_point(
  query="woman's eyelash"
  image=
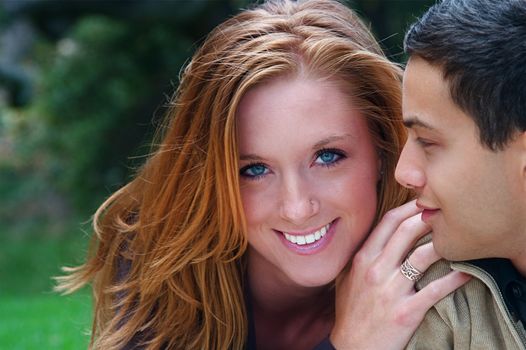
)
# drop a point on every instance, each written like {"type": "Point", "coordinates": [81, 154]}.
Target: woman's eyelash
{"type": "Point", "coordinates": [326, 157]}
{"type": "Point", "coordinates": [329, 156]}
{"type": "Point", "coordinates": [258, 170]}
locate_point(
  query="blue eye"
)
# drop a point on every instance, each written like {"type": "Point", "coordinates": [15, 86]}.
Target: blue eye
{"type": "Point", "coordinates": [254, 171]}
{"type": "Point", "coordinates": [328, 157]}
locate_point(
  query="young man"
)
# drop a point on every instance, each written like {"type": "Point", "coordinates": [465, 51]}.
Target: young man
{"type": "Point", "coordinates": [465, 158]}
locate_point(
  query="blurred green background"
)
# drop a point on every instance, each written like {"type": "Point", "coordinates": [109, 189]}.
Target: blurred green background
{"type": "Point", "coordinates": [82, 87]}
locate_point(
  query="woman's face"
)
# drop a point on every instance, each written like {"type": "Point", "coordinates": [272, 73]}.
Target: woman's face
{"type": "Point", "coordinates": [309, 171]}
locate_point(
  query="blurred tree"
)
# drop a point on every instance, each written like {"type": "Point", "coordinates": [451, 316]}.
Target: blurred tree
{"type": "Point", "coordinates": [103, 69]}
{"type": "Point", "coordinates": [87, 78]}
{"type": "Point", "coordinates": [389, 20]}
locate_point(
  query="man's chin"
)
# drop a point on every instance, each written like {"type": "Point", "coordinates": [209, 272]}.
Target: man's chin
{"type": "Point", "coordinates": [451, 252]}
{"type": "Point", "coordinates": [445, 248]}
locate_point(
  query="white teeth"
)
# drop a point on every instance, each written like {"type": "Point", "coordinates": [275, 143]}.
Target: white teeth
{"type": "Point", "coordinates": [307, 239]}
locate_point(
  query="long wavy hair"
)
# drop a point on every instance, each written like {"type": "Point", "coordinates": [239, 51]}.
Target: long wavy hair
{"type": "Point", "coordinates": [166, 261]}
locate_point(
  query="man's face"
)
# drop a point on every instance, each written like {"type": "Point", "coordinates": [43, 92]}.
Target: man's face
{"type": "Point", "coordinates": [473, 198]}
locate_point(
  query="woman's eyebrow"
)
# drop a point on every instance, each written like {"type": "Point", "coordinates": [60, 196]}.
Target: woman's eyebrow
{"type": "Point", "coordinates": [320, 144]}
{"type": "Point", "coordinates": [250, 157]}
{"type": "Point", "coordinates": [327, 140]}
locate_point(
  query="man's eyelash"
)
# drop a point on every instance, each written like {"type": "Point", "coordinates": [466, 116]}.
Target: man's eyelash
{"type": "Point", "coordinates": [424, 142]}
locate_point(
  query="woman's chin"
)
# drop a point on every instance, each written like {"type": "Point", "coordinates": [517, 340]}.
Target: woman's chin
{"type": "Point", "coordinates": [314, 279]}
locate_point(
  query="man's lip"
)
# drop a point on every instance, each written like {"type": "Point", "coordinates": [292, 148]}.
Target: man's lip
{"type": "Point", "coordinates": [425, 207]}
{"type": "Point", "coordinates": [427, 214]}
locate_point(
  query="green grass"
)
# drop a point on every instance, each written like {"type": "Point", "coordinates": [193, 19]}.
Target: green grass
{"type": "Point", "coordinates": [45, 322]}
{"type": "Point", "coordinates": [32, 316]}
{"type": "Point", "coordinates": [29, 259]}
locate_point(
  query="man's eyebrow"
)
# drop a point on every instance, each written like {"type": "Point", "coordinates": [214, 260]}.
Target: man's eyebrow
{"type": "Point", "coordinates": [412, 122]}
{"type": "Point", "coordinates": [327, 140]}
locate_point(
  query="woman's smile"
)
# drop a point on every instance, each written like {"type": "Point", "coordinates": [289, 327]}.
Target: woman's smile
{"type": "Point", "coordinates": [308, 176]}
{"type": "Point", "coordinates": [309, 243]}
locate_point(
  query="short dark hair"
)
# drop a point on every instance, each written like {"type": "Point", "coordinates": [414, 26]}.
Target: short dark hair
{"type": "Point", "coordinates": [480, 45]}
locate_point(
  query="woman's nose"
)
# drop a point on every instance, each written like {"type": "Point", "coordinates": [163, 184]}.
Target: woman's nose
{"type": "Point", "coordinates": [298, 203]}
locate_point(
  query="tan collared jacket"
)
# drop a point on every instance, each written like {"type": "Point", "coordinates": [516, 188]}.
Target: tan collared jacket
{"type": "Point", "coordinates": [473, 317]}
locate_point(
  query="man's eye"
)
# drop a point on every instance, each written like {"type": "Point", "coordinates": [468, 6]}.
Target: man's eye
{"type": "Point", "coordinates": [424, 142]}
{"type": "Point", "coordinates": [328, 157]}
{"type": "Point", "coordinates": [254, 171]}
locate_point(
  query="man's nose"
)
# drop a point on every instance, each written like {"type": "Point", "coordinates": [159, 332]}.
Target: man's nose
{"type": "Point", "coordinates": [409, 171]}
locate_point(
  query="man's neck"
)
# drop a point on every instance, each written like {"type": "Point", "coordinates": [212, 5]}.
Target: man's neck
{"type": "Point", "coordinates": [520, 264]}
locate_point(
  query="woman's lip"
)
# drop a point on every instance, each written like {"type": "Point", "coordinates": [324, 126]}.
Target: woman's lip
{"type": "Point", "coordinates": [307, 232]}
{"type": "Point", "coordinates": [310, 248]}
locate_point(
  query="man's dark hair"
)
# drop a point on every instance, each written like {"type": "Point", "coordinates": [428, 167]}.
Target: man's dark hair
{"type": "Point", "coordinates": [480, 45]}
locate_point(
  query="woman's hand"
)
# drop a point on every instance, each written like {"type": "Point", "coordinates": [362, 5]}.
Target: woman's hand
{"type": "Point", "coordinates": [377, 307]}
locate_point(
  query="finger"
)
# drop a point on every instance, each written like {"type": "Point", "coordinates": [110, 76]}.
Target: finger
{"type": "Point", "coordinates": [420, 259]}
{"type": "Point", "coordinates": [379, 237]}
{"type": "Point", "coordinates": [414, 309]}
{"type": "Point", "coordinates": [403, 240]}
{"type": "Point", "coordinates": [438, 289]}
{"type": "Point", "coordinates": [424, 256]}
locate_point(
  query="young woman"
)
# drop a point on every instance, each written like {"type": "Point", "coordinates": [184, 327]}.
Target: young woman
{"type": "Point", "coordinates": [277, 160]}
